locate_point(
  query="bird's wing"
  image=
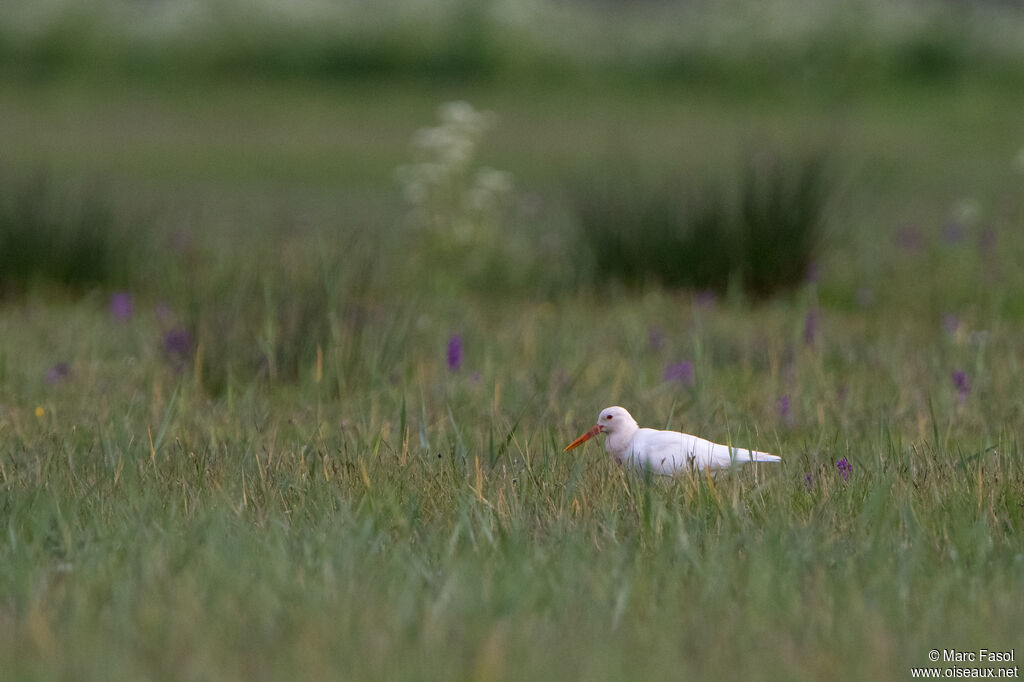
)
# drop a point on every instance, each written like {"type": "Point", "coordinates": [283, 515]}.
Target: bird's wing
{"type": "Point", "coordinates": [715, 456]}
{"type": "Point", "coordinates": [667, 452]}
{"type": "Point", "coordinates": [664, 452]}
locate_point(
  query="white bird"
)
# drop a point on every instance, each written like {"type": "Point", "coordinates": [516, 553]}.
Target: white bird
{"type": "Point", "coordinates": [663, 452]}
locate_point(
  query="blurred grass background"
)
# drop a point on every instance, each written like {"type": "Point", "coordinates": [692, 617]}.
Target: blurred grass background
{"type": "Point", "coordinates": [260, 419]}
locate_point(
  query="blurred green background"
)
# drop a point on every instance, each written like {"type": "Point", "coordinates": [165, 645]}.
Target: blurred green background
{"type": "Point", "coordinates": [299, 303]}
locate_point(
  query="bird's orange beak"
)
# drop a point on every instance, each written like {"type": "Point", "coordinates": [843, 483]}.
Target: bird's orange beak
{"type": "Point", "coordinates": [584, 438]}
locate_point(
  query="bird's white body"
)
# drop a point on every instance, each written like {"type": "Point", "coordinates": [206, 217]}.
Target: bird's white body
{"type": "Point", "coordinates": [664, 452]}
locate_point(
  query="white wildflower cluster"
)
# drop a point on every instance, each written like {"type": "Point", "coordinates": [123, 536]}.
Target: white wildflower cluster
{"type": "Point", "coordinates": [446, 195]}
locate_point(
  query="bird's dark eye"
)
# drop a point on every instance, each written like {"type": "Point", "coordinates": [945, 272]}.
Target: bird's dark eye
{"type": "Point", "coordinates": [608, 416]}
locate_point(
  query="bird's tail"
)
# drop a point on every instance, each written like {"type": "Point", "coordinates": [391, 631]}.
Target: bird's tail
{"type": "Point", "coordinates": [755, 456]}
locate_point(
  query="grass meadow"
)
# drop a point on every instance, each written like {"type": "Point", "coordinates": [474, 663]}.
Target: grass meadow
{"type": "Point", "coordinates": [279, 431]}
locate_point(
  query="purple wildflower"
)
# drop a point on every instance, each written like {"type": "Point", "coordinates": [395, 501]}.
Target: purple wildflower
{"type": "Point", "coordinates": [58, 373]}
{"type": "Point", "coordinates": [705, 299]}
{"type": "Point", "coordinates": [784, 409]}
{"type": "Point", "coordinates": [811, 327]}
{"type": "Point", "coordinates": [454, 353]}
{"type": "Point", "coordinates": [122, 306]}
{"type": "Point", "coordinates": [178, 341]}
{"type": "Point", "coordinates": [909, 238]}
{"type": "Point", "coordinates": [178, 346]}
{"type": "Point", "coordinates": [844, 467]}
{"type": "Point", "coordinates": [953, 232]}
{"type": "Point", "coordinates": [681, 372]}
{"type": "Point", "coordinates": [962, 385]}
{"type": "Point", "coordinates": [808, 481]}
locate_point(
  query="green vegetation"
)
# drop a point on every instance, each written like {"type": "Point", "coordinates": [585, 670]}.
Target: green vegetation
{"type": "Point", "coordinates": [833, 45]}
{"type": "Point", "coordinates": [761, 236]}
{"type": "Point", "coordinates": [59, 237]}
{"type": "Point", "coordinates": [304, 426]}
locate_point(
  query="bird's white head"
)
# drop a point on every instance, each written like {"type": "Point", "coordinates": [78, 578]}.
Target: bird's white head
{"type": "Point", "coordinates": [611, 420]}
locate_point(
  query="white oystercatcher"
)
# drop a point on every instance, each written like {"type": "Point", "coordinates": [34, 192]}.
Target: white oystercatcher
{"type": "Point", "coordinates": [663, 452]}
